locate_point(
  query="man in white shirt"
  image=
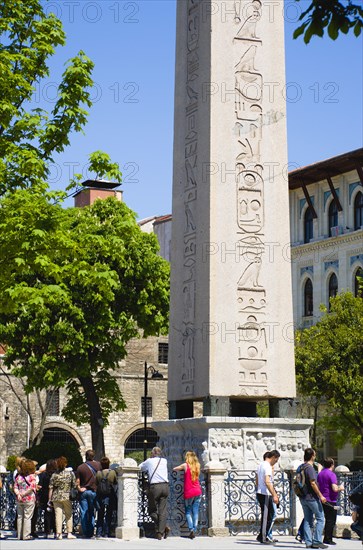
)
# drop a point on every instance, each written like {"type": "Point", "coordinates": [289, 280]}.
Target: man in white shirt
{"type": "Point", "coordinates": [157, 471]}
{"type": "Point", "coordinates": [266, 494]}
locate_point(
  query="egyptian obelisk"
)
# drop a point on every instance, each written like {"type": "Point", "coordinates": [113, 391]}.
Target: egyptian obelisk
{"type": "Point", "coordinates": [231, 322]}
{"type": "Point", "coordinates": [231, 306]}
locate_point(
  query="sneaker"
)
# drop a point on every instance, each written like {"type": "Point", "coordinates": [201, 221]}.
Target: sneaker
{"type": "Point", "coordinates": [71, 536]}
{"type": "Point", "coordinates": [321, 545]}
{"type": "Point", "coordinates": [58, 537]}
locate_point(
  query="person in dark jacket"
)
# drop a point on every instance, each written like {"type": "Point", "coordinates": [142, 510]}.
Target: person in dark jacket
{"type": "Point", "coordinates": [43, 490]}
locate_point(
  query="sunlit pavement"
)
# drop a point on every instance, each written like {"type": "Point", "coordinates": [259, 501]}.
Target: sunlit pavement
{"type": "Point", "coordinates": [239, 542]}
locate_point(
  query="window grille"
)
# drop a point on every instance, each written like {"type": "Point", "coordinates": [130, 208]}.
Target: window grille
{"type": "Point", "coordinates": [149, 406]}
{"type": "Point", "coordinates": [163, 353]}
{"type": "Point", "coordinates": [52, 400]}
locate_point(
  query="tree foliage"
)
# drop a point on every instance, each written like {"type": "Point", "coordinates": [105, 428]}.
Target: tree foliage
{"type": "Point", "coordinates": [29, 135]}
{"type": "Point", "coordinates": [333, 16]}
{"type": "Point", "coordinates": [76, 286]}
{"type": "Point", "coordinates": [329, 363]}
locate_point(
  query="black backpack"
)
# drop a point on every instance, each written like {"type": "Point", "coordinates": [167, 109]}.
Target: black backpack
{"type": "Point", "coordinates": [104, 487]}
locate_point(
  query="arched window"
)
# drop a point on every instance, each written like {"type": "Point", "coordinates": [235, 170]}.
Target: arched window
{"type": "Point", "coordinates": [358, 210]}
{"type": "Point", "coordinates": [358, 291]}
{"type": "Point", "coordinates": [332, 216]}
{"type": "Point", "coordinates": [333, 287]}
{"type": "Point", "coordinates": [135, 442]}
{"type": "Point", "coordinates": [308, 299]}
{"type": "Point", "coordinates": [308, 225]}
{"type": "Point", "coordinates": [58, 434]}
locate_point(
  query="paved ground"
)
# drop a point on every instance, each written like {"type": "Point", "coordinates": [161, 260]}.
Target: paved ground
{"type": "Point", "coordinates": [239, 542]}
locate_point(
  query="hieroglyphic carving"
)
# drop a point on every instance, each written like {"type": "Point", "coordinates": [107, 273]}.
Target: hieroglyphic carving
{"type": "Point", "coordinates": [190, 197]}
{"type": "Point", "coordinates": [251, 294]}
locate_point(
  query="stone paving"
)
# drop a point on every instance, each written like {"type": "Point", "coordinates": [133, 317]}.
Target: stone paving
{"type": "Point", "coordinates": [239, 542]}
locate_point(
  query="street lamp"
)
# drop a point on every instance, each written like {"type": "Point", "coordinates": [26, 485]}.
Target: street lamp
{"type": "Point", "coordinates": [154, 374]}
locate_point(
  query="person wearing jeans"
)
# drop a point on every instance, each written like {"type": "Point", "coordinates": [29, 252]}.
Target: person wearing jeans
{"type": "Point", "coordinates": [192, 490]}
{"type": "Point", "coordinates": [328, 485]}
{"type": "Point", "coordinates": [86, 483]}
{"type": "Point", "coordinates": [312, 504]}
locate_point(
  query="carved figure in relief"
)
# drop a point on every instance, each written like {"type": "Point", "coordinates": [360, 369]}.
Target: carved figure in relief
{"type": "Point", "coordinates": [188, 299]}
{"type": "Point", "coordinates": [188, 346]}
{"type": "Point", "coordinates": [250, 461]}
{"type": "Point", "coordinates": [191, 180]}
{"type": "Point", "coordinates": [236, 457]}
{"type": "Point", "coordinates": [249, 278]}
{"type": "Point", "coordinates": [205, 455]}
{"type": "Point", "coordinates": [189, 220]}
{"type": "Point", "coordinates": [253, 13]}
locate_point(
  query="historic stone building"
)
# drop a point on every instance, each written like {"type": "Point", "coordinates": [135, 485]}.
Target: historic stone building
{"type": "Point", "coordinates": [326, 217]}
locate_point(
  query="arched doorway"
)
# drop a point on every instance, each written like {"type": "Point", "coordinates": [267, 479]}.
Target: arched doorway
{"type": "Point", "coordinates": [58, 434]}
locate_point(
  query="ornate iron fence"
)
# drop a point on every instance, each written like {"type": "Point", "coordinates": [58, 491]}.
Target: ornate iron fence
{"type": "Point", "coordinates": [176, 515]}
{"type": "Point", "coordinates": [8, 508]}
{"type": "Point", "coordinates": [352, 481]}
{"type": "Point", "coordinates": [241, 506]}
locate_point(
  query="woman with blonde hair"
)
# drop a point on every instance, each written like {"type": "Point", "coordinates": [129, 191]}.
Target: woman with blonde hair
{"type": "Point", "coordinates": [25, 486]}
{"type": "Point", "coordinates": [60, 485]}
{"type": "Point", "coordinates": [192, 490]}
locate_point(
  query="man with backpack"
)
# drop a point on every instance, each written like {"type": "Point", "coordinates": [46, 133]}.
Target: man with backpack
{"type": "Point", "coordinates": [312, 503]}
{"type": "Point", "coordinates": [86, 484]}
{"type": "Point", "coordinates": [106, 485]}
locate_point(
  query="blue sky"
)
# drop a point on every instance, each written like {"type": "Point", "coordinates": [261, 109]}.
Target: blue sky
{"type": "Point", "coordinates": [133, 46]}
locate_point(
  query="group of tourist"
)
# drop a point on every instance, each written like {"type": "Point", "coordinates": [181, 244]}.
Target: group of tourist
{"type": "Point", "coordinates": [52, 489]}
{"type": "Point", "coordinates": [318, 498]}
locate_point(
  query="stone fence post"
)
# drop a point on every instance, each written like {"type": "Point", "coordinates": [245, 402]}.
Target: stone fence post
{"type": "Point", "coordinates": [215, 472]}
{"type": "Point", "coordinates": [128, 498]}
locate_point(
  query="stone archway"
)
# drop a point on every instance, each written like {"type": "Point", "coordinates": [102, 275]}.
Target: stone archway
{"type": "Point", "coordinates": [59, 431]}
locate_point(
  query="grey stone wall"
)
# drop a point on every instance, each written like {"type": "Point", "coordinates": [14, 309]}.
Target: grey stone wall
{"type": "Point", "coordinates": [14, 424]}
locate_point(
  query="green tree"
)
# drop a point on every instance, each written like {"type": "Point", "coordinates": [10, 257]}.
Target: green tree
{"type": "Point", "coordinates": [329, 364]}
{"type": "Point", "coordinates": [30, 136]}
{"type": "Point", "coordinates": [334, 16]}
{"type": "Point", "coordinates": [76, 286]}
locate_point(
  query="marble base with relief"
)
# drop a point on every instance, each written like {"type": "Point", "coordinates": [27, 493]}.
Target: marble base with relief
{"type": "Point", "coordinates": [236, 442]}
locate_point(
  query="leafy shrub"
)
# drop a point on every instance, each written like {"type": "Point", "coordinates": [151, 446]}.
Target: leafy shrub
{"type": "Point", "coordinates": [10, 463]}
{"type": "Point", "coordinates": [48, 450]}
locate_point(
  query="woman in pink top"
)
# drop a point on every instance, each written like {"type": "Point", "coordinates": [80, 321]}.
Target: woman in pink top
{"type": "Point", "coordinates": [25, 486]}
{"type": "Point", "coordinates": [192, 490]}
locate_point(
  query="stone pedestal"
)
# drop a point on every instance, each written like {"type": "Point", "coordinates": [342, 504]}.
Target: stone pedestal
{"type": "Point", "coordinates": [127, 518]}
{"type": "Point", "coordinates": [215, 472]}
{"type": "Point", "coordinates": [235, 442]}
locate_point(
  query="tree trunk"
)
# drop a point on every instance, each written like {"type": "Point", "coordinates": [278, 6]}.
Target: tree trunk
{"type": "Point", "coordinates": [95, 414]}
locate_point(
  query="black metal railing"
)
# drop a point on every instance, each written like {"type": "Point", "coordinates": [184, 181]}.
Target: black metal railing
{"type": "Point", "coordinates": [352, 481]}
{"type": "Point", "coordinates": [8, 508]}
{"type": "Point", "coordinates": [176, 514]}
{"type": "Point", "coordinates": [242, 511]}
